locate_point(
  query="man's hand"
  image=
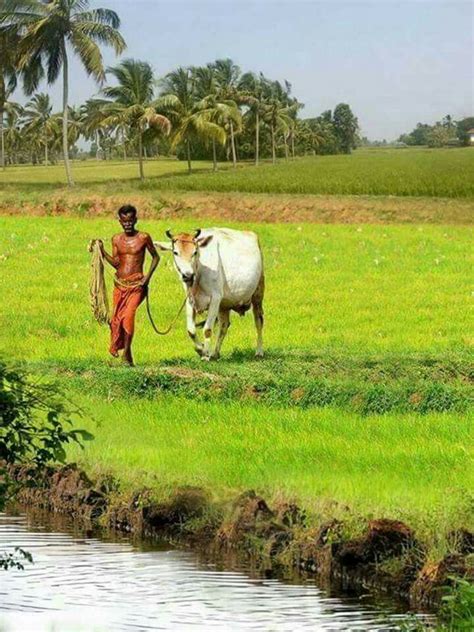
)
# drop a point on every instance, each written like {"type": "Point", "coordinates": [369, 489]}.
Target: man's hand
{"type": "Point", "coordinates": [144, 282]}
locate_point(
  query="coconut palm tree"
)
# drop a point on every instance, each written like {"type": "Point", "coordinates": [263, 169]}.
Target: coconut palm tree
{"type": "Point", "coordinates": [9, 39]}
{"type": "Point", "coordinates": [50, 30]}
{"type": "Point", "coordinates": [38, 120]}
{"type": "Point", "coordinates": [132, 102]}
{"type": "Point", "coordinates": [92, 118]}
{"type": "Point", "coordinates": [13, 135]}
{"type": "Point", "coordinates": [277, 114]}
{"type": "Point", "coordinates": [188, 116]}
{"type": "Point", "coordinates": [294, 107]}
{"type": "Point", "coordinates": [227, 79]}
{"type": "Point", "coordinates": [252, 91]}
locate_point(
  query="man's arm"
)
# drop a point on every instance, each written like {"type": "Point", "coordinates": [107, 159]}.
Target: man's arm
{"type": "Point", "coordinates": [112, 259]}
{"type": "Point", "coordinates": [150, 246]}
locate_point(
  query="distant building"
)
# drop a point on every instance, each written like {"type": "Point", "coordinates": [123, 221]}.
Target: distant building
{"type": "Point", "coordinates": [470, 133]}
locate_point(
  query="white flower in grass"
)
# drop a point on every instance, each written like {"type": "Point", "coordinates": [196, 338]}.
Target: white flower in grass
{"type": "Point", "coordinates": [377, 262]}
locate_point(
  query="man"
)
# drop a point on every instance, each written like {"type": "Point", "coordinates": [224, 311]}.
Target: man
{"type": "Point", "coordinates": [131, 285]}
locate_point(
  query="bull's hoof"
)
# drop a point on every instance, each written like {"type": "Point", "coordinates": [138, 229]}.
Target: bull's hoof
{"type": "Point", "coordinates": [259, 355]}
{"type": "Point", "coordinates": [205, 358]}
{"type": "Point", "coordinates": [215, 356]}
{"type": "Point", "coordinates": [198, 351]}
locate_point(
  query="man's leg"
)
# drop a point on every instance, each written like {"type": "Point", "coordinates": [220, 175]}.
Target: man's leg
{"type": "Point", "coordinates": [129, 325]}
{"type": "Point", "coordinates": [127, 349]}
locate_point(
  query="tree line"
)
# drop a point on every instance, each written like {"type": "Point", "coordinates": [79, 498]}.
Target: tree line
{"type": "Point", "coordinates": [214, 112]}
{"type": "Point", "coordinates": [443, 133]}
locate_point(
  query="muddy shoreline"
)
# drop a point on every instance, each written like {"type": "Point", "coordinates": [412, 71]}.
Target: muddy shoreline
{"type": "Point", "coordinates": [385, 558]}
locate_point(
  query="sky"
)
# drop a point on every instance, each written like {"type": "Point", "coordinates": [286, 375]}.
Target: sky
{"type": "Point", "coordinates": [395, 63]}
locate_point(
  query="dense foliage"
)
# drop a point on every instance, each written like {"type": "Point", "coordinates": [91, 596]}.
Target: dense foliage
{"type": "Point", "coordinates": [33, 429]}
{"type": "Point", "coordinates": [35, 424]}
{"type": "Point", "coordinates": [213, 112]}
{"type": "Point", "coordinates": [442, 133]}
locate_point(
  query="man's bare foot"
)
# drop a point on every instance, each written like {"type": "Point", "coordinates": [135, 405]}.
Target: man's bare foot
{"type": "Point", "coordinates": [128, 359]}
{"type": "Point", "coordinates": [114, 354]}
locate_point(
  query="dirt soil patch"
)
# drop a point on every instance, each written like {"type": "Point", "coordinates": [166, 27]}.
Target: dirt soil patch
{"type": "Point", "coordinates": [245, 207]}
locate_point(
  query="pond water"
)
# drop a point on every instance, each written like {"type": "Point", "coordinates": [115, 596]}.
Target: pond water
{"type": "Point", "coordinates": [81, 583]}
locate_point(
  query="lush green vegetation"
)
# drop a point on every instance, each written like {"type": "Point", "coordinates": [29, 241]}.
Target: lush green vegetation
{"type": "Point", "coordinates": [411, 466]}
{"type": "Point", "coordinates": [208, 111]}
{"type": "Point", "coordinates": [364, 397]}
{"type": "Point", "coordinates": [412, 172]}
{"type": "Point", "coordinates": [348, 289]}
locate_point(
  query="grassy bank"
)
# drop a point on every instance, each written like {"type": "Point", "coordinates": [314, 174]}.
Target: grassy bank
{"type": "Point", "coordinates": [415, 172]}
{"type": "Point", "coordinates": [335, 464]}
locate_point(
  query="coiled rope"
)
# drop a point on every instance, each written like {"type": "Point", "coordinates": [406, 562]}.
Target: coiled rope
{"type": "Point", "coordinates": [97, 289]}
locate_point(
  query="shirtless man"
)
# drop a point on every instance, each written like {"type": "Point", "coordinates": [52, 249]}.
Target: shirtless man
{"type": "Point", "coordinates": [131, 285]}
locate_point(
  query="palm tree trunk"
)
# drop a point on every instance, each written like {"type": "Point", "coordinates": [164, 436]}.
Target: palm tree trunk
{"type": "Point", "coordinates": [140, 155]}
{"type": "Point", "coordinates": [46, 152]}
{"type": "Point", "coordinates": [257, 137]}
{"type": "Point", "coordinates": [2, 134]}
{"type": "Point", "coordinates": [293, 143]}
{"type": "Point", "coordinates": [67, 164]}
{"type": "Point", "coordinates": [285, 140]}
{"type": "Point", "coordinates": [188, 151]}
{"type": "Point", "coordinates": [97, 147]}
{"type": "Point", "coordinates": [273, 145]}
{"type": "Point", "coordinates": [232, 144]}
{"type": "Point", "coordinates": [214, 157]}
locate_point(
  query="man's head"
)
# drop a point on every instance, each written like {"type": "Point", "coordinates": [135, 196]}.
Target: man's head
{"type": "Point", "coordinates": [127, 215]}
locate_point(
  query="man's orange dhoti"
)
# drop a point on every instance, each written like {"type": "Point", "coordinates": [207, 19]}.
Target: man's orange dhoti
{"type": "Point", "coordinates": [126, 302]}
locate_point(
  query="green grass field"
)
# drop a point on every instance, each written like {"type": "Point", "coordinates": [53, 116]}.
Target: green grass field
{"type": "Point", "coordinates": [360, 320]}
{"type": "Point", "coordinates": [364, 401]}
{"type": "Point", "coordinates": [402, 172]}
{"type": "Point", "coordinates": [352, 289]}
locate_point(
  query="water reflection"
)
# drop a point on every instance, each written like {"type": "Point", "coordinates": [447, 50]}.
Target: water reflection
{"type": "Point", "coordinates": [83, 584]}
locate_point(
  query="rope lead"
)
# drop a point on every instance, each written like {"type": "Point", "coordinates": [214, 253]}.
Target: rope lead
{"type": "Point", "coordinates": [98, 292]}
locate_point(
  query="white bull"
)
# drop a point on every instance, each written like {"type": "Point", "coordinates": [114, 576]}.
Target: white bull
{"type": "Point", "coordinates": [221, 270]}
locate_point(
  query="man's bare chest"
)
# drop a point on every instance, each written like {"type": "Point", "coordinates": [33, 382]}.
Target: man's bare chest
{"type": "Point", "coordinates": [130, 246]}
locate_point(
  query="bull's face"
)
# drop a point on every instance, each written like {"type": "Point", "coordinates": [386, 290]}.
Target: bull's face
{"type": "Point", "coordinates": [185, 248]}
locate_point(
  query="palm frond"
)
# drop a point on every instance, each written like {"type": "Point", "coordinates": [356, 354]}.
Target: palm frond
{"type": "Point", "coordinates": [99, 16]}
{"type": "Point", "coordinates": [89, 53]}
{"type": "Point", "coordinates": [101, 33]}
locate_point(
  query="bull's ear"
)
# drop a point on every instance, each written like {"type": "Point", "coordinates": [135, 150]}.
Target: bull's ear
{"type": "Point", "coordinates": [203, 241]}
{"type": "Point", "coordinates": [163, 245]}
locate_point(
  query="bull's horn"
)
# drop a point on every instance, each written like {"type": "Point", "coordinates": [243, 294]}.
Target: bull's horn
{"type": "Point", "coordinates": [197, 232]}
{"type": "Point", "coordinates": [169, 234]}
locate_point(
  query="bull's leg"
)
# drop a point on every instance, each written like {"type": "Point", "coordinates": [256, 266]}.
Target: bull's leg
{"type": "Point", "coordinates": [257, 308]}
{"type": "Point", "coordinates": [224, 323]}
{"type": "Point", "coordinates": [212, 314]}
{"type": "Point", "coordinates": [191, 326]}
